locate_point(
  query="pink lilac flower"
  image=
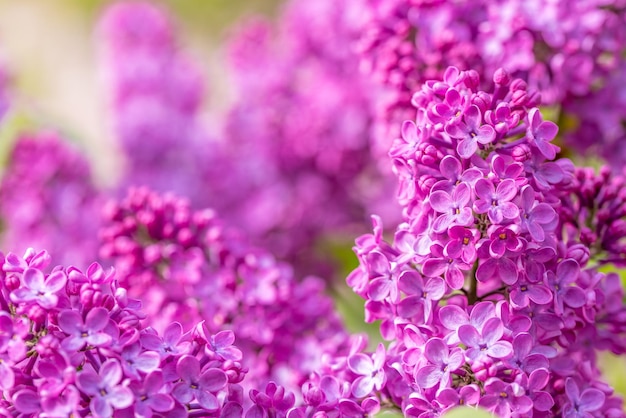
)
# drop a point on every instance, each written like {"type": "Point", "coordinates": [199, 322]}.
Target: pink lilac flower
{"type": "Point", "coordinates": [105, 388]}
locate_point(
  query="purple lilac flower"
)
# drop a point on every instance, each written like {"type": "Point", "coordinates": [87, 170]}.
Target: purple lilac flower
{"type": "Point", "coordinates": [39, 288]}
{"type": "Point", "coordinates": [198, 384]}
{"type": "Point", "coordinates": [441, 363]}
{"type": "Point", "coordinates": [581, 404]}
{"type": "Point", "coordinates": [87, 332]}
{"type": "Point", "coordinates": [486, 343]}
{"type": "Point", "coordinates": [453, 208]}
{"type": "Point", "coordinates": [471, 132]}
{"type": "Point", "coordinates": [105, 388]}
{"type": "Point", "coordinates": [369, 369]}
{"type": "Point", "coordinates": [496, 201]}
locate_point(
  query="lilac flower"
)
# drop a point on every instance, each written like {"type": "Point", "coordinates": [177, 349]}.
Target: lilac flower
{"type": "Point", "coordinates": [87, 332]}
{"type": "Point", "coordinates": [503, 239]}
{"type": "Point", "coordinates": [221, 344]}
{"type": "Point", "coordinates": [470, 132]}
{"type": "Point", "coordinates": [39, 288]}
{"type": "Point", "coordinates": [485, 343]}
{"type": "Point", "coordinates": [273, 401]}
{"type": "Point", "coordinates": [134, 360]}
{"type": "Point", "coordinates": [541, 132]}
{"type": "Point", "coordinates": [537, 380]}
{"type": "Point", "coordinates": [170, 344]}
{"type": "Point", "coordinates": [496, 201]}
{"type": "Point", "coordinates": [581, 404]}
{"type": "Point", "coordinates": [197, 384]}
{"type": "Point", "coordinates": [105, 389]}
{"type": "Point", "coordinates": [522, 356]}
{"type": "Point", "coordinates": [535, 217]}
{"type": "Point", "coordinates": [442, 362]}
{"type": "Point", "coordinates": [420, 295]}
{"type": "Point", "coordinates": [560, 283]}
{"type": "Point", "coordinates": [148, 397]}
{"type": "Point", "coordinates": [523, 292]}
{"type": "Point", "coordinates": [505, 399]}
{"type": "Point", "coordinates": [441, 263]}
{"type": "Point", "coordinates": [453, 208]}
{"type": "Point", "coordinates": [462, 243]}
{"type": "Point", "coordinates": [466, 395]}
{"type": "Point", "coordinates": [370, 371]}
{"type": "Point", "coordinates": [452, 170]}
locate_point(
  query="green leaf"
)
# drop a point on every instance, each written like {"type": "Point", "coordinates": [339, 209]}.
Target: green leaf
{"type": "Point", "coordinates": [467, 412]}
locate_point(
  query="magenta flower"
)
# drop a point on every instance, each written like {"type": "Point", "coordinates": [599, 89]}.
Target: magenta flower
{"type": "Point", "coordinates": [453, 208]}
{"type": "Point", "coordinates": [524, 291]}
{"type": "Point", "coordinates": [504, 399]}
{"type": "Point", "coordinates": [471, 132]}
{"type": "Point", "coordinates": [462, 243]}
{"type": "Point", "coordinates": [496, 201]}
{"type": "Point", "coordinates": [197, 384]}
{"type": "Point", "coordinates": [105, 389]}
{"type": "Point", "coordinates": [541, 132]}
{"type": "Point", "coordinates": [523, 357]}
{"type": "Point", "coordinates": [420, 295]}
{"type": "Point", "coordinates": [441, 263]}
{"type": "Point", "coordinates": [503, 239]}
{"type": "Point", "coordinates": [135, 360]}
{"type": "Point", "coordinates": [441, 363]}
{"type": "Point", "coordinates": [384, 281]}
{"type": "Point", "coordinates": [453, 317]}
{"type": "Point", "coordinates": [561, 285]}
{"type": "Point", "coordinates": [148, 398]}
{"type": "Point", "coordinates": [536, 217]}
{"type": "Point", "coordinates": [88, 332]}
{"type": "Point", "coordinates": [370, 371]}
{"type": "Point", "coordinates": [451, 168]}
{"type": "Point", "coordinates": [171, 344]}
{"type": "Point", "coordinates": [485, 343]}
{"type": "Point", "coordinates": [466, 395]}
{"type": "Point", "coordinates": [581, 404]}
{"type": "Point", "coordinates": [221, 344]}
{"type": "Point", "coordinates": [40, 289]}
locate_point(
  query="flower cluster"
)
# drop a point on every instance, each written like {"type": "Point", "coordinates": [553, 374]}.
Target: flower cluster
{"type": "Point", "coordinates": [72, 344]}
{"type": "Point", "coordinates": [156, 92]}
{"type": "Point", "coordinates": [186, 266]}
{"type": "Point", "coordinates": [309, 152]}
{"type": "Point", "coordinates": [563, 49]}
{"type": "Point", "coordinates": [486, 292]}
{"type": "Point", "coordinates": [47, 188]}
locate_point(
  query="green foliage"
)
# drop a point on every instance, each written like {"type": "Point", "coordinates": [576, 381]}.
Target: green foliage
{"type": "Point", "coordinates": [467, 412]}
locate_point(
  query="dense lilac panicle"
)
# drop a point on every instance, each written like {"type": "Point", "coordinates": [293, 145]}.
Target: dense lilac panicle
{"type": "Point", "coordinates": [48, 199]}
{"type": "Point", "coordinates": [488, 283]}
{"type": "Point", "coordinates": [176, 260]}
{"type": "Point", "coordinates": [156, 92]}
{"type": "Point", "coordinates": [84, 351]}
{"type": "Point", "coordinates": [300, 129]}
{"type": "Point", "coordinates": [564, 50]}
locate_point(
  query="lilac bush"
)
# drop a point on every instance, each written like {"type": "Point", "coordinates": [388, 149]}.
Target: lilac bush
{"type": "Point", "coordinates": [497, 290]}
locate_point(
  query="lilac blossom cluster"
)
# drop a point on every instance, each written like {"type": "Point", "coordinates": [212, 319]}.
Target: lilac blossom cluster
{"type": "Point", "coordinates": [72, 344]}
{"type": "Point", "coordinates": [490, 291]}
{"type": "Point", "coordinates": [156, 93]}
{"type": "Point", "coordinates": [48, 199]}
{"type": "Point", "coordinates": [304, 147]}
{"type": "Point", "coordinates": [564, 50]}
{"type": "Point", "coordinates": [176, 260]}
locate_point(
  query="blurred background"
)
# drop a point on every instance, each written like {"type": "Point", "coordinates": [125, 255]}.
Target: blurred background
{"type": "Point", "coordinates": [50, 50]}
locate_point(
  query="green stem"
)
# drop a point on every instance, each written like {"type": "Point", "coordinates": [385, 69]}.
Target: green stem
{"type": "Point", "coordinates": [472, 296]}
